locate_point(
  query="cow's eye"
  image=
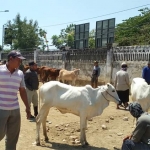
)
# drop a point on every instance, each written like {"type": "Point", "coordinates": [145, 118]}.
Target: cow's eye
{"type": "Point", "coordinates": [113, 90]}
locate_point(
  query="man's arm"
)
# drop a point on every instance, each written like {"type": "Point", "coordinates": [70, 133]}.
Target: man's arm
{"type": "Point", "coordinates": [23, 96]}
{"type": "Point", "coordinates": [143, 73]}
{"type": "Point", "coordinates": [127, 80]}
{"type": "Point", "coordinates": [127, 137]}
{"type": "Point", "coordinates": [26, 79]}
{"type": "Point", "coordinates": [99, 70]}
{"type": "Point", "coordinates": [115, 81]}
{"type": "Point", "coordinates": [140, 129]}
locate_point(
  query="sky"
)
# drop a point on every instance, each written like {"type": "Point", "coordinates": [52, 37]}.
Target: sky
{"type": "Point", "coordinates": [54, 15]}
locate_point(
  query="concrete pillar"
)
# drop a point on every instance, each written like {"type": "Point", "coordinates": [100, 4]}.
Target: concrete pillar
{"type": "Point", "coordinates": [0, 55]}
{"type": "Point", "coordinates": [35, 55]}
{"type": "Point", "coordinates": [109, 62]}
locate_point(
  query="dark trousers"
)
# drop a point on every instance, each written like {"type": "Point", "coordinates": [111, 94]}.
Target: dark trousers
{"type": "Point", "coordinates": [124, 96]}
{"type": "Point", "coordinates": [130, 145]}
{"type": "Point", "coordinates": [94, 81]}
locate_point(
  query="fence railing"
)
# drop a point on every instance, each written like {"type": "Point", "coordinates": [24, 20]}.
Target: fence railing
{"type": "Point", "coordinates": [125, 53]}
{"type": "Point", "coordinates": [131, 53]}
{"type": "Point", "coordinates": [74, 55]}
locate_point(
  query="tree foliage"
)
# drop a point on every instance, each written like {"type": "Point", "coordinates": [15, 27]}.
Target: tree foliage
{"type": "Point", "coordinates": [66, 37]}
{"type": "Point", "coordinates": [26, 35]}
{"type": "Point", "coordinates": [135, 30]}
{"type": "Point", "coordinates": [92, 39]}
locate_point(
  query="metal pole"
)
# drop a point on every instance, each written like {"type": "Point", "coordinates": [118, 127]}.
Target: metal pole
{"type": "Point", "coordinates": [2, 37]}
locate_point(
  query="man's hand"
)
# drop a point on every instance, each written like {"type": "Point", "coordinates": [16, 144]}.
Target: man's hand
{"type": "Point", "coordinates": [28, 113]}
{"type": "Point", "coordinates": [127, 137]}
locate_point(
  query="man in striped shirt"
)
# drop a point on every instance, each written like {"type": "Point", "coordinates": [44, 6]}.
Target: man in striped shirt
{"type": "Point", "coordinates": [11, 80]}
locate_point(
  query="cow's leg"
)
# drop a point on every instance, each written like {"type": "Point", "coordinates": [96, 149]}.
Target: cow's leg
{"type": "Point", "coordinates": [73, 82]}
{"type": "Point", "coordinates": [44, 124]}
{"type": "Point", "coordinates": [83, 123]}
{"type": "Point", "coordinates": [63, 81]}
{"type": "Point", "coordinates": [86, 143]}
{"type": "Point", "coordinates": [39, 119]}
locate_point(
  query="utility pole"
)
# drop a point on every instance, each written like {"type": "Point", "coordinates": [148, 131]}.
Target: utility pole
{"type": "Point", "coordinates": [3, 37]}
{"type": "Point", "coordinates": [3, 30]}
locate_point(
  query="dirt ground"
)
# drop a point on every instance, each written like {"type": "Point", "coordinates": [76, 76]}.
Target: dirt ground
{"type": "Point", "coordinates": [61, 126]}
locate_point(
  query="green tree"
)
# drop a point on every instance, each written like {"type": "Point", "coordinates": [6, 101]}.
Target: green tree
{"type": "Point", "coordinates": [26, 35]}
{"type": "Point", "coordinates": [135, 30]}
{"type": "Point", "coordinates": [92, 39]}
{"type": "Point", "coordinates": [66, 37]}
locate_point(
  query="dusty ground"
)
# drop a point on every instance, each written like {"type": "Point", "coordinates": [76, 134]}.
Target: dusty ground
{"type": "Point", "coordinates": [68, 125]}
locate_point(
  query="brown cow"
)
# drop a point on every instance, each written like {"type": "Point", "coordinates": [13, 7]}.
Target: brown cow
{"type": "Point", "coordinates": [68, 75]}
{"type": "Point", "coordinates": [51, 73]}
{"type": "Point", "coordinates": [40, 71]}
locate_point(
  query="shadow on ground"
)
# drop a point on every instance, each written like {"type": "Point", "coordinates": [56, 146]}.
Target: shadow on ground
{"type": "Point", "coordinates": [61, 146]}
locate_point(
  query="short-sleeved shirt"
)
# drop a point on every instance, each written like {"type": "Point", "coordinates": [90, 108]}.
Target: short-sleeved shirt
{"type": "Point", "coordinates": [9, 86]}
{"type": "Point", "coordinates": [96, 71]}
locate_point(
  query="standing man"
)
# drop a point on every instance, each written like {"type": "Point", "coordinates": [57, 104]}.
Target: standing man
{"type": "Point", "coordinates": [146, 73]}
{"type": "Point", "coordinates": [122, 85]}
{"type": "Point", "coordinates": [11, 80]}
{"type": "Point", "coordinates": [140, 137]}
{"type": "Point", "coordinates": [95, 75]}
{"type": "Point", "coordinates": [32, 84]}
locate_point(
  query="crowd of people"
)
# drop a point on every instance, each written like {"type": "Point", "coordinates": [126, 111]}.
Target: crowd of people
{"type": "Point", "coordinates": [12, 80]}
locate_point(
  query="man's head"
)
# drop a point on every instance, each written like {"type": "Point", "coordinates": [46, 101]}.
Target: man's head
{"type": "Point", "coordinates": [135, 109]}
{"type": "Point", "coordinates": [33, 65]}
{"type": "Point", "coordinates": [148, 64]}
{"type": "Point", "coordinates": [14, 54]}
{"type": "Point", "coordinates": [14, 59]}
{"type": "Point", "coordinates": [96, 63]}
{"type": "Point", "coordinates": [124, 65]}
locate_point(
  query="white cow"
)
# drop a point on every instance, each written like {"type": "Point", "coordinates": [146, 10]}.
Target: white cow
{"type": "Point", "coordinates": [140, 92]}
{"type": "Point", "coordinates": [84, 102]}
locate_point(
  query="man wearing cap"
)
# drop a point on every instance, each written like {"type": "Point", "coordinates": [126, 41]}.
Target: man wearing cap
{"type": "Point", "coordinates": [140, 137]}
{"type": "Point", "coordinates": [146, 73]}
{"type": "Point", "coordinates": [32, 84]}
{"type": "Point", "coordinates": [95, 75]}
{"type": "Point", "coordinates": [122, 85]}
{"type": "Point", "coordinates": [11, 80]}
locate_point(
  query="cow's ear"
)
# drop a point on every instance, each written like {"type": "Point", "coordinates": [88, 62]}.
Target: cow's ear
{"type": "Point", "coordinates": [108, 84]}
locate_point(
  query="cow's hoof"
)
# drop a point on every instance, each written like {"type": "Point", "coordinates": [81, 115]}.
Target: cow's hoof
{"type": "Point", "coordinates": [36, 143]}
{"type": "Point", "coordinates": [46, 139]}
{"type": "Point", "coordinates": [85, 144]}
